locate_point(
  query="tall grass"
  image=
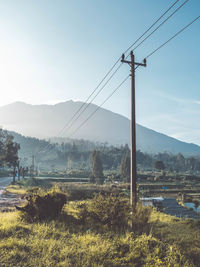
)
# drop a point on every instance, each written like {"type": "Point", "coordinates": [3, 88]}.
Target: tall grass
{"type": "Point", "coordinates": [71, 241]}
{"type": "Point", "coordinates": [52, 244]}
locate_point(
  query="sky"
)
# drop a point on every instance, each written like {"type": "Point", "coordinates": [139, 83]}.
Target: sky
{"type": "Point", "coordinates": [54, 51]}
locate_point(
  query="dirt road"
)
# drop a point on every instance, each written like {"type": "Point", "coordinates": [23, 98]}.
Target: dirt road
{"type": "Point", "coordinates": [7, 201]}
{"type": "Point", "coordinates": [5, 181]}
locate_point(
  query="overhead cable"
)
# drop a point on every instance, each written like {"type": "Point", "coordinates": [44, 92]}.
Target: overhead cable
{"type": "Point", "coordinates": [114, 65]}
{"type": "Point", "coordinates": [154, 51]}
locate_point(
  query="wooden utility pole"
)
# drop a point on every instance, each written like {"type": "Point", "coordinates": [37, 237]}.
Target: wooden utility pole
{"type": "Point", "coordinates": [133, 171]}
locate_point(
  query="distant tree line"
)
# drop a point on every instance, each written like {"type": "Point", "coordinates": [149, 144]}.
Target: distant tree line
{"type": "Point", "coordinates": [73, 154]}
{"type": "Point", "coordinates": [79, 154]}
{"type": "Point", "coordinates": [178, 163]}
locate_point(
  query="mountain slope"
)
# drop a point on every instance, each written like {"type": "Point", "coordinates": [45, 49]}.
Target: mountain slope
{"type": "Point", "coordinates": [153, 142]}
{"type": "Point", "coordinates": [45, 121]}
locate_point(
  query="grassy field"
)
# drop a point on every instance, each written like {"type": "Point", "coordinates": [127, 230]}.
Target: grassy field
{"type": "Point", "coordinates": [71, 241]}
{"type": "Point", "coordinates": [67, 241]}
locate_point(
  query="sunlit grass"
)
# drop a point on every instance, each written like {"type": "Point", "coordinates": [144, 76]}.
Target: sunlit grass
{"type": "Point", "coordinates": [16, 189]}
{"type": "Point", "coordinates": [185, 233]}
{"type": "Point", "coordinates": [65, 242]}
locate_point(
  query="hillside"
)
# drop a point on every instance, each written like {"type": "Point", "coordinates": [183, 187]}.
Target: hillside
{"type": "Point", "coordinates": [45, 121]}
{"type": "Point", "coordinates": [153, 142]}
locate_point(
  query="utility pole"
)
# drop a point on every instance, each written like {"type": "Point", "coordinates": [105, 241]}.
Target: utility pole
{"type": "Point", "coordinates": [133, 171]}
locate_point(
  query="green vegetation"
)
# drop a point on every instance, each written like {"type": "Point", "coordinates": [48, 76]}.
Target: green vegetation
{"type": "Point", "coordinates": [56, 244]}
{"type": "Point", "coordinates": [15, 189]}
{"type": "Point", "coordinates": [106, 211]}
{"type": "Point", "coordinates": [43, 206]}
{"type": "Point", "coordinates": [99, 231]}
{"type": "Point", "coordinates": [9, 152]}
{"type": "Point", "coordinates": [159, 165]}
{"type": "Point", "coordinates": [71, 154]}
{"type": "Point", "coordinates": [96, 168]}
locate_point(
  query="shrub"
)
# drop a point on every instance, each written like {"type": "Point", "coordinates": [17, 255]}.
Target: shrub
{"type": "Point", "coordinates": [105, 210]}
{"type": "Point", "coordinates": [81, 194]}
{"type": "Point", "coordinates": [140, 219]}
{"type": "Point", "coordinates": [43, 206]}
{"type": "Point", "coordinates": [88, 191]}
{"type": "Point", "coordinates": [112, 211]}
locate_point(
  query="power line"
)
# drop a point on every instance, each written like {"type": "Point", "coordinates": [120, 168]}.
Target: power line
{"type": "Point", "coordinates": [151, 26]}
{"type": "Point", "coordinates": [87, 104]}
{"type": "Point", "coordinates": [98, 107]}
{"type": "Point", "coordinates": [100, 90]}
{"type": "Point", "coordinates": [114, 65]}
{"type": "Point", "coordinates": [184, 28]}
{"type": "Point", "coordinates": [154, 51]}
{"type": "Point", "coordinates": [80, 108]}
{"type": "Point", "coordinates": [95, 96]}
{"type": "Point", "coordinates": [161, 24]}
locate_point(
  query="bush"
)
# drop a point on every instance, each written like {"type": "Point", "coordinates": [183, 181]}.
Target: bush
{"type": "Point", "coordinates": [112, 211]}
{"type": "Point", "coordinates": [43, 206]}
{"type": "Point", "coordinates": [81, 194]}
{"type": "Point", "coordinates": [88, 191]}
{"type": "Point", "coordinates": [140, 219]}
{"type": "Point", "coordinates": [105, 210]}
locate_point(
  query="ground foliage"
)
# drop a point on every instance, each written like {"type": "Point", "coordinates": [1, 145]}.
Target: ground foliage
{"type": "Point", "coordinates": [106, 211]}
{"type": "Point", "coordinates": [87, 233]}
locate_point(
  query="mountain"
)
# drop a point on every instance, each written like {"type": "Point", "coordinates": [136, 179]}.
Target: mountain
{"type": "Point", "coordinates": [45, 121]}
{"type": "Point", "coordinates": [153, 142]}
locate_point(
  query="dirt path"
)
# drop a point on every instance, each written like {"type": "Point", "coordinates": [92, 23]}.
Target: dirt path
{"type": "Point", "coordinates": [7, 201]}
{"type": "Point", "coordinates": [5, 181]}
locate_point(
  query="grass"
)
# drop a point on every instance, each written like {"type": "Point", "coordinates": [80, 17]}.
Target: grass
{"type": "Point", "coordinates": [169, 241]}
{"type": "Point", "coordinates": [16, 189]}
{"type": "Point", "coordinates": [52, 244]}
{"type": "Point", "coordinates": [184, 233]}
{"type": "Point", "coordinates": [22, 187]}
{"type": "Point", "coordinates": [64, 242]}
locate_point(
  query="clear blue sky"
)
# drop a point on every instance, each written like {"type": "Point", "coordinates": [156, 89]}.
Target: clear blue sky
{"type": "Point", "coordinates": [53, 51]}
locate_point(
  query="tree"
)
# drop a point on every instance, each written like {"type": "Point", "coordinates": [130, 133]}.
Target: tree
{"type": "Point", "coordinates": [125, 167]}
{"type": "Point", "coordinates": [180, 162]}
{"type": "Point", "coordinates": [24, 172]}
{"type": "Point", "coordinates": [3, 136]}
{"type": "Point", "coordinates": [97, 168]}
{"type": "Point", "coordinates": [159, 165]}
{"type": "Point", "coordinates": [69, 163]}
{"type": "Point", "coordinates": [11, 154]}
{"type": "Point", "coordinates": [19, 169]}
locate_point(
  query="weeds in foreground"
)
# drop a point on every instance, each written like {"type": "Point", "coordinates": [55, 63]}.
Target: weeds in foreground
{"type": "Point", "coordinates": [51, 244]}
{"type": "Point", "coordinates": [86, 236]}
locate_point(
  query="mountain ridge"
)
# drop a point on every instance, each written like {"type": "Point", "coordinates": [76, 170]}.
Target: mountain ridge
{"type": "Point", "coordinates": [45, 121]}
